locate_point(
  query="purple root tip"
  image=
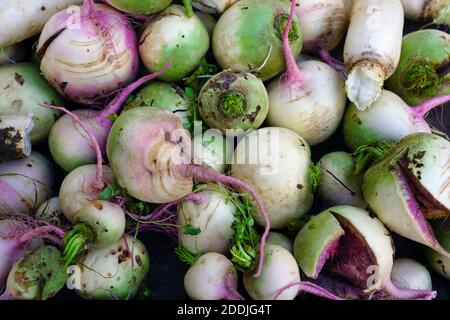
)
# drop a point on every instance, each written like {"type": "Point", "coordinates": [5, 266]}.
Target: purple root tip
{"type": "Point", "coordinates": [309, 287]}
{"type": "Point", "coordinates": [401, 294]}
{"type": "Point", "coordinates": [334, 63]}
{"type": "Point", "coordinates": [6, 296]}
{"type": "Point", "coordinates": [421, 110]}
{"type": "Point", "coordinates": [230, 291]}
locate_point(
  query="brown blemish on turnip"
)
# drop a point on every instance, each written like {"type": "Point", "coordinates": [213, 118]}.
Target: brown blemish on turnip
{"type": "Point", "coordinates": [19, 79]}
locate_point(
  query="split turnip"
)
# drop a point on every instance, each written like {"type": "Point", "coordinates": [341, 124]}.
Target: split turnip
{"type": "Point", "coordinates": [372, 48]}
{"type": "Point", "coordinates": [88, 52]}
{"type": "Point", "coordinates": [409, 274]}
{"type": "Point", "coordinates": [248, 37]}
{"type": "Point", "coordinates": [172, 36]}
{"type": "Point", "coordinates": [233, 100]}
{"type": "Point", "coordinates": [14, 136]}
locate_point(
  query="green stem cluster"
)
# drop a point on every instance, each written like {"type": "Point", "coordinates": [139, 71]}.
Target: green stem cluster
{"type": "Point", "coordinates": [74, 242]}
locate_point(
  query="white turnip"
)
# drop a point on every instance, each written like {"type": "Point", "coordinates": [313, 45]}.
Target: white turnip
{"type": "Point", "coordinates": [426, 10]}
{"type": "Point", "coordinates": [409, 274]}
{"type": "Point", "coordinates": [280, 240]}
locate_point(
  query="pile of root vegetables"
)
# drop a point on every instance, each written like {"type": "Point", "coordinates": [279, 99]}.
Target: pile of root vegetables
{"type": "Point", "coordinates": [200, 121]}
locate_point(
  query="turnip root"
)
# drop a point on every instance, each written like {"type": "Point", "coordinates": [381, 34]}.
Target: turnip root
{"type": "Point", "coordinates": [212, 150]}
{"type": "Point", "coordinates": [372, 48]}
{"type": "Point", "coordinates": [426, 10]}
{"type": "Point", "coordinates": [23, 90]}
{"type": "Point", "coordinates": [140, 7]}
{"type": "Point", "coordinates": [409, 274]}
{"type": "Point", "coordinates": [167, 96]}
{"type": "Point", "coordinates": [296, 101]}
{"type": "Point", "coordinates": [150, 154]}
{"type": "Point", "coordinates": [279, 239]}
{"type": "Point", "coordinates": [350, 246]}
{"type": "Point", "coordinates": [439, 262]}
{"type": "Point", "coordinates": [24, 184]}
{"type": "Point", "coordinates": [88, 52]}
{"type": "Point", "coordinates": [348, 5]}
{"type": "Point", "coordinates": [233, 100]}
{"type": "Point", "coordinates": [37, 276]}
{"type": "Point", "coordinates": [14, 136]}
{"type": "Point", "coordinates": [276, 162]}
{"type": "Point", "coordinates": [114, 271]}
{"type": "Point", "coordinates": [50, 211]}
{"type": "Point", "coordinates": [12, 54]}
{"type": "Point", "coordinates": [212, 277]}
{"type": "Point", "coordinates": [422, 72]}
{"type": "Point", "coordinates": [248, 35]}
{"type": "Point", "coordinates": [389, 118]}
{"type": "Point", "coordinates": [410, 185]}
{"type": "Point", "coordinates": [323, 23]}
{"type": "Point", "coordinates": [22, 19]}
{"type": "Point", "coordinates": [83, 125]}
{"type": "Point", "coordinates": [208, 21]}
{"type": "Point", "coordinates": [339, 183]}
{"type": "Point", "coordinates": [213, 216]}
{"type": "Point", "coordinates": [213, 6]}
{"type": "Point", "coordinates": [172, 36]}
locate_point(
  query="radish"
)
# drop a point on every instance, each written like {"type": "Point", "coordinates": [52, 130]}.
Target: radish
{"type": "Point", "coordinates": [24, 184]}
{"type": "Point", "coordinates": [410, 185]}
{"type": "Point", "coordinates": [439, 262]}
{"type": "Point", "coordinates": [296, 101]}
{"type": "Point", "coordinates": [150, 154]}
{"type": "Point", "coordinates": [23, 90]}
{"type": "Point", "coordinates": [279, 239]}
{"type": "Point", "coordinates": [82, 124]}
{"type": "Point", "coordinates": [372, 48]}
{"type": "Point", "coordinates": [113, 271]}
{"type": "Point", "coordinates": [389, 118]}
{"type": "Point", "coordinates": [233, 100]}
{"type": "Point", "coordinates": [37, 276]}
{"type": "Point", "coordinates": [173, 36]}
{"type": "Point", "coordinates": [140, 7]}
{"type": "Point", "coordinates": [50, 211]}
{"type": "Point", "coordinates": [323, 22]}
{"type": "Point", "coordinates": [22, 19]}
{"type": "Point", "coordinates": [213, 216]}
{"type": "Point", "coordinates": [12, 54]}
{"type": "Point", "coordinates": [418, 10]}
{"type": "Point", "coordinates": [276, 163]}
{"type": "Point", "coordinates": [339, 183]}
{"type": "Point", "coordinates": [350, 246]}
{"type": "Point", "coordinates": [213, 6]}
{"type": "Point", "coordinates": [409, 274]}
{"type": "Point", "coordinates": [14, 136]}
{"type": "Point", "coordinates": [280, 279]}
{"type": "Point", "coordinates": [212, 277]}
{"type": "Point", "coordinates": [208, 21]}
{"type": "Point", "coordinates": [248, 37]}
{"type": "Point", "coordinates": [422, 72]}
{"type": "Point", "coordinates": [212, 149]}
{"type": "Point", "coordinates": [162, 95]}
{"type": "Point", "coordinates": [88, 52]}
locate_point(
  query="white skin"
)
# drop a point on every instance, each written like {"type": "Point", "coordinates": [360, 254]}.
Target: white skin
{"type": "Point", "coordinates": [211, 277]}
{"type": "Point", "coordinates": [214, 216]}
{"type": "Point", "coordinates": [280, 270]}
{"type": "Point", "coordinates": [410, 274]}
{"type": "Point", "coordinates": [280, 240]}
{"type": "Point", "coordinates": [280, 175]}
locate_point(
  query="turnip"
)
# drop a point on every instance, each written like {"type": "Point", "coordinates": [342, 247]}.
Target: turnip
{"type": "Point", "coordinates": [22, 19]}
{"type": "Point", "coordinates": [409, 274]}
{"type": "Point", "coordinates": [233, 100]}
{"type": "Point", "coordinates": [323, 23]}
{"type": "Point", "coordinates": [213, 216]}
{"type": "Point", "coordinates": [279, 239]}
{"type": "Point", "coordinates": [426, 10]}
{"type": "Point", "coordinates": [51, 212]}
{"type": "Point", "coordinates": [150, 154]}
{"type": "Point", "coordinates": [339, 183]}
{"type": "Point", "coordinates": [348, 5]}
{"type": "Point", "coordinates": [389, 118]}
{"type": "Point", "coordinates": [372, 48]}
{"type": "Point", "coordinates": [350, 246]}
{"type": "Point", "coordinates": [280, 279]}
{"type": "Point", "coordinates": [23, 90]}
{"type": "Point", "coordinates": [162, 95]}
{"type": "Point", "coordinates": [12, 54]}
{"type": "Point", "coordinates": [296, 100]}
{"type": "Point", "coordinates": [37, 276]}
{"type": "Point", "coordinates": [24, 184]}
{"type": "Point", "coordinates": [276, 162]}
{"type": "Point", "coordinates": [212, 149]}
{"type": "Point", "coordinates": [114, 271]}
{"type": "Point", "coordinates": [14, 136]}
{"type": "Point", "coordinates": [410, 185]}
{"type": "Point", "coordinates": [439, 262]}
{"type": "Point", "coordinates": [88, 52]}
{"type": "Point", "coordinates": [212, 277]}
{"type": "Point", "coordinates": [140, 7]}
{"type": "Point", "coordinates": [213, 6]}
{"type": "Point", "coordinates": [422, 72]}
{"type": "Point", "coordinates": [248, 37]}
{"type": "Point", "coordinates": [208, 21]}
{"type": "Point", "coordinates": [172, 36]}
